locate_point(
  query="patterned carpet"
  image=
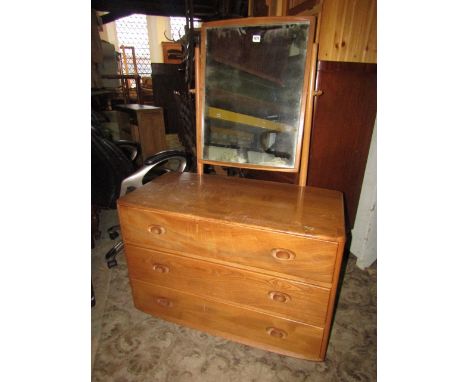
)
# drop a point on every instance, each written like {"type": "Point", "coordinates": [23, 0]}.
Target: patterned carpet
{"type": "Point", "coordinates": [129, 345]}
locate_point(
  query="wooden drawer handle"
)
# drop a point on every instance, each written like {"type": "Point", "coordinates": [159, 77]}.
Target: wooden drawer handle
{"type": "Point", "coordinates": [160, 268]}
{"type": "Point", "coordinates": [283, 254]}
{"type": "Point", "coordinates": [165, 302]}
{"type": "Point", "coordinates": [279, 296]}
{"type": "Point", "coordinates": [277, 333]}
{"type": "Point", "coordinates": [156, 229]}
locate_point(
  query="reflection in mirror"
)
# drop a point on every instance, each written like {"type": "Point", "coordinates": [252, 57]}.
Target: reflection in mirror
{"type": "Point", "coordinates": [254, 77]}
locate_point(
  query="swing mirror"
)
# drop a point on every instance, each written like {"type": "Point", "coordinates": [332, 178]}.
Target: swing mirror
{"type": "Point", "coordinates": [254, 77]}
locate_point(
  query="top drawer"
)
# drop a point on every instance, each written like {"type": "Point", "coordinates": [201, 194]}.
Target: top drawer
{"type": "Point", "coordinates": [279, 253]}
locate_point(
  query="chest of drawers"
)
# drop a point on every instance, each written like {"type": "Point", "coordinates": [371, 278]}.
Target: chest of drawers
{"type": "Point", "coordinates": [253, 261]}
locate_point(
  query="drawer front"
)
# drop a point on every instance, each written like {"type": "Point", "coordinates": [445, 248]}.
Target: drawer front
{"type": "Point", "coordinates": [304, 258]}
{"type": "Point", "coordinates": [293, 300]}
{"type": "Point", "coordinates": [242, 325]}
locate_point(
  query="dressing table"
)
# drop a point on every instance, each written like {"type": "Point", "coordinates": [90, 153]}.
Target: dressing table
{"type": "Point", "coordinates": [253, 261]}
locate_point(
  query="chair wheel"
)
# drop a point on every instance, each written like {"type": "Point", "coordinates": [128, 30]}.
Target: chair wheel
{"type": "Point", "coordinates": [111, 263]}
{"type": "Point", "coordinates": [113, 235]}
{"type": "Point", "coordinates": [93, 299]}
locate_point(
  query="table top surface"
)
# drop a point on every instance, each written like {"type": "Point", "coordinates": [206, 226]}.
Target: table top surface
{"type": "Point", "coordinates": [305, 211]}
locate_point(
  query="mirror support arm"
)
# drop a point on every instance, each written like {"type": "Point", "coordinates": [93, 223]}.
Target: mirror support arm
{"type": "Point", "coordinates": [310, 103]}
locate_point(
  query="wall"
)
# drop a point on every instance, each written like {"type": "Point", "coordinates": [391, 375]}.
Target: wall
{"type": "Point", "coordinates": [364, 234]}
{"type": "Point", "coordinates": [347, 28]}
{"type": "Point", "coordinates": [109, 34]}
{"type": "Point", "coordinates": [157, 25]}
{"type": "Point", "coordinates": [348, 31]}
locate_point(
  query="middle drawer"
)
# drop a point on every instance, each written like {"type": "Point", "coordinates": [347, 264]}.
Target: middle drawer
{"type": "Point", "coordinates": [286, 298]}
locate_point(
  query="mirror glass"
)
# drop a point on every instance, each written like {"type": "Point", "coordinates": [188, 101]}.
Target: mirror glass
{"type": "Point", "coordinates": [254, 81]}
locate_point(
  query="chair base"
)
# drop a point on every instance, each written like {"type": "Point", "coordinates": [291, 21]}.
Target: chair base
{"type": "Point", "coordinates": [110, 256]}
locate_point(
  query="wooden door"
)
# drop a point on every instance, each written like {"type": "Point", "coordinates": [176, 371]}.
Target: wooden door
{"type": "Point", "coordinates": [342, 128]}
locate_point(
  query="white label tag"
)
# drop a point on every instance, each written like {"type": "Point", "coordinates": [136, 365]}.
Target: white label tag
{"type": "Point", "coordinates": [256, 38]}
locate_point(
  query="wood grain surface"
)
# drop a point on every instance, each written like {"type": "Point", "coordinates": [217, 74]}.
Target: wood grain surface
{"type": "Point", "coordinates": [277, 296]}
{"type": "Point", "coordinates": [304, 211]}
{"type": "Point", "coordinates": [232, 322]}
{"type": "Point", "coordinates": [313, 260]}
{"type": "Point", "coordinates": [256, 262]}
{"type": "Point", "coordinates": [348, 31]}
{"type": "Point", "coordinates": [151, 129]}
{"type": "Point", "coordinates": [341, 141]}
{"type": "Point", "coordinates": [148, 127]}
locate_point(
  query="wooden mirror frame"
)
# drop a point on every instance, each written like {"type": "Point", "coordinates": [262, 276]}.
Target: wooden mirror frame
{"type": "Point", "coordinates": [303, 137]}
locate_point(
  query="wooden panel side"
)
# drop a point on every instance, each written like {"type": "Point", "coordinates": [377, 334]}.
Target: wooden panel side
{"type": "Point", "coordinates": [332, 301]}
{"type": "Point", "coordinates": [348, 31]}
{"type": "Point", "coordinates": [151, 131]}
{"type": "Point", "coordinates": [341, 140]}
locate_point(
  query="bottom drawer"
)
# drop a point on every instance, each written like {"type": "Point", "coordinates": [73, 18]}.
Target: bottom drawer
{"type": "Point", "coordinates": [232, 322]}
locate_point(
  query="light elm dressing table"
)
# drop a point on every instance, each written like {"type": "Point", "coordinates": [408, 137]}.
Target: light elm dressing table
{"type": "Point", "coordinates": [253, 261]}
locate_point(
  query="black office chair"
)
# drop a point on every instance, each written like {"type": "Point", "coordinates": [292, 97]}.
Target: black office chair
{"type": "Point", "coordinates": [186, 126]}
{"type": "Point", "coordinates": [114, 173]}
